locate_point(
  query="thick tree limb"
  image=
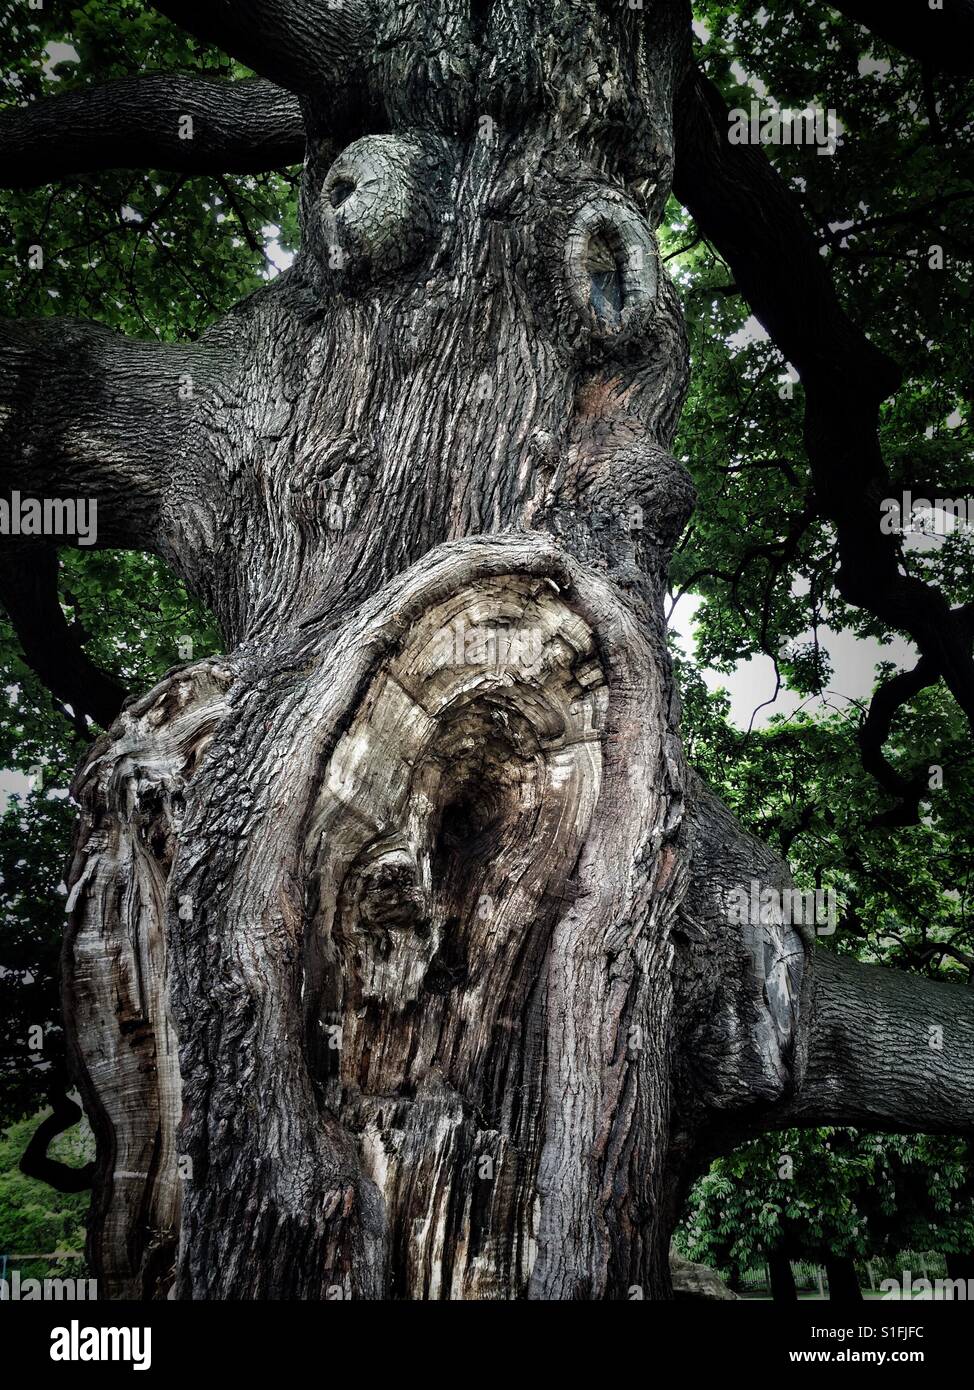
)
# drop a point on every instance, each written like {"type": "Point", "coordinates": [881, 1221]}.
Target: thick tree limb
{"type": "Point", "coordinates": [29, 592]}
{"type": "Point", "coordinates": [748, 211]}
{"type": "Point", "coordinates": [940, 38]}
{"type": "Point", "coordinates": [34, 1161]}
{"type": "Point", "coordinates": [96, 426]}
{"type": "Point", "coordinates": [305, 45]}
{"type": "Point", "coordinates": [779, 1034]}
{"type": "Point", "coordinates": [740, 983]}
{"type": "Point", "coordinates": [88, 414]}
{"type": "Point", "coordinates": [140, 123]}
{"type": "Point", "coordinates": [886, 1050]}
{"type": "Point", "coordinates": [742, 203]}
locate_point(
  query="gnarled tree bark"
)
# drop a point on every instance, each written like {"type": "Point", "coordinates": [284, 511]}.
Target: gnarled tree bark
{"type": "Point", "coordinates": [401, 959]}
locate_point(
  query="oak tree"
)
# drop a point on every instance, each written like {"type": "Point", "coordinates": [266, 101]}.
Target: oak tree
{"type": "Point", "coordinates": [401, 957]}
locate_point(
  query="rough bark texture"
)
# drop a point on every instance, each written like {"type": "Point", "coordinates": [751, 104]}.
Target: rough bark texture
{"type": "Point", "coordinates": [131, 791]}
{"type": "Point", "coordinates": [233, 127]}
{"type": "Point", "coordinates": [866, 1022]}
{"type": "Point", "coordinates": [400, 961]}
{"type": "Point", "coordinates": [306, 45]}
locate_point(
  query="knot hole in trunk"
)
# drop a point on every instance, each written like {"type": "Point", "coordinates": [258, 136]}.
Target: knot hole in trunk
{"type": "Point", "coordinates": [453, 813]}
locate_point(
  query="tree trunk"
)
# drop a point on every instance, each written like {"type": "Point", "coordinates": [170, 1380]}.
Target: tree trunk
{"type": "Point", "coordinates": [961, 1266]}
{"type": "Point", "coordinates": [843, 1279]}
{"type": "Point", "coordinates": [401, 932]}
{"type": "Point", "coordinates": [783, 1288]}
{"type": "Point", "coordinates": [403, 958]}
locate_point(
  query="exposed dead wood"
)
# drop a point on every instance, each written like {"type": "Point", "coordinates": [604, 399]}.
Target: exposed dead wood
{"type": "Point", "coordinates": [400, 959]}
{"type": "Point", "coordinates": [131, 790]}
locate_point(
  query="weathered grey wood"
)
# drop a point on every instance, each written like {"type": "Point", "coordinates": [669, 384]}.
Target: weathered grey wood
{"type": "Point", "coordinates": [415, 883]}
{"type": "Point", "coordinates": [115, 969]}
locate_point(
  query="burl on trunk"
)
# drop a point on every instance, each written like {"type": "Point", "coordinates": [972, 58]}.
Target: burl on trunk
{"type": "Point", "coordinates": [400, 961]}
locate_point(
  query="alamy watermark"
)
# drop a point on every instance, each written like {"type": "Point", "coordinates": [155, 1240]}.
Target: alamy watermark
{"type": "Point", "coordinates": [780, 125]}
{"type": "Point", "coordinates": [938, 516]}
{"type": "Point", "coordinates": [18, 1290]}
{"type": "Point", "coordinates": [756, 905]}
{"type": "Point", "coordinates": [926, 1290]}
{"type": "Point", "coordinates": [77, 1343]}
{"type": "Point", "coordinates": [50, 516]}
{"type": "Point", "coordinates": [463, 644]}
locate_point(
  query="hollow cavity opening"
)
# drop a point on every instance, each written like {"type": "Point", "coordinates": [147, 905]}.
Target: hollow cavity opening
{"type": "Point", "coordinates": [340, 191]}
{"type": "Point", "coordinates": [606, 278]}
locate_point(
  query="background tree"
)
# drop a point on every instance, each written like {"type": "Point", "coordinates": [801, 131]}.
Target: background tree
{"type": "Point", "coordinates": [793, 1196]}
{"type": "Point", "coordinates": [268, 463]}
{"type": "Point", "coordinates": [832, 1197]}
{"type": "Point", "coordinates": [35, 1220]}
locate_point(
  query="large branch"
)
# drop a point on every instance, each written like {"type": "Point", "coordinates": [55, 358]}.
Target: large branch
{"type": "Point", "coordinates": [940, 38]}
{"type": "Point", "coordinates": [886, 1050]}
{"type": "Point", "coordinates": [35, 1162]}
{"type": "Point", "coordinates": [744, 206]}
{"type": "Point", "coordinates": [51, 648]}
{"type": "Point", "coordinates": [304, 45]}
{"type": "Point", "coordinates": [86, 413]}
{"type": "Point", "coordinates": [93, 431]}
{"type": "Point", "coordinates": [778, 1034]}
{"type": "Point", "coordinates": [876, 728]}
{"type": "Point", "coordinates": [193, 125]}
{"type": "Point", "coordinates": [739, 982]}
